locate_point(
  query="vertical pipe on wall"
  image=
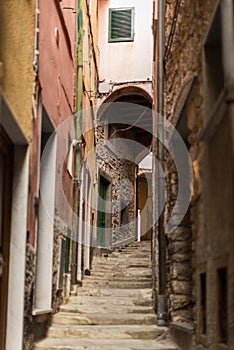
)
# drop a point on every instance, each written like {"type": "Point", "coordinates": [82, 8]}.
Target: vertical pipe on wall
{"type": "Point", "coordinates": [79, 131]}
{"type": "Point", "coordinates": [80, 227]}
{"type": "Point", "coordinates": [227, 40]}
{"type": "Point", "coordinates": [162, 297]}
{"type": "Point", "coordinates": [36, 44]}
{"type": "Point", "coordinates": [87, 226]}
{"type": "Point", "coordinates": [154, 244]}
{"type": "Point", "coordinates": [76, 255]}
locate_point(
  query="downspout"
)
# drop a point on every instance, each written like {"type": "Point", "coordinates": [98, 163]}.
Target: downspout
{"type": "Point", "coordinates": [76, 243]}
{"type": "Point", "coordinates": [80, 227]}
{"type": "Point", "coordinates": [162, 277]}
{"type": "Point", "coordinates": [79, 130]}
{"type": "Point", "coordinates": [36, 44]}
{"type": "Point", "coordinates": [227, 27]}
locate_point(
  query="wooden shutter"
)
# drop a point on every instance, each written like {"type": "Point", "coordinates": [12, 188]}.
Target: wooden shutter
{"type": "Point", "coordinates": [121, 25]}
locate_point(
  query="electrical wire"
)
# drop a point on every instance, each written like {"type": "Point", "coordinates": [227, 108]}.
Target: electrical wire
{"type": "Point", "coordinates": [131, 126]}
{"type": "Point", "coordinates": [172, 31]}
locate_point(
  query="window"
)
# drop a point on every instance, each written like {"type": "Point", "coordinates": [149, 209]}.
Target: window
{"type": "Point", "coordinates": [222, 305]}
{"type": "Point", "coordinates": [213, 66]}
{"type": "Point", "coordinates": [121, 23]}
{"type": "Point", "coordinates": [124, 215]}
{"type": "Point", "coordinates": [203, 303]}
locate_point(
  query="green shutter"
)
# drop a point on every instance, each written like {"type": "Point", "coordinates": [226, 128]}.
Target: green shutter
{"type": "Point", "coordinates": [121, 25]}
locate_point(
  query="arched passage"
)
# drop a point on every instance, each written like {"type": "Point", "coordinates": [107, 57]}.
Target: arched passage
{"type": "Point", "coordinates": [123, 139]}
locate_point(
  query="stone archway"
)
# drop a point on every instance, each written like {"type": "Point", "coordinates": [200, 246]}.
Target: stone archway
{"type": "Point", "coordinates": [123, 138]}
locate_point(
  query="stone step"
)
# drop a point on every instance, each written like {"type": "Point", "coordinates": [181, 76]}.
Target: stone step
{"type": "Point", "coordinates": [113, 309]}
{"type": "Point", "coordinates": [116, 292]}
{"type": "Point", "coordinates": [147, 272]}
{"type": "Point", "coordinates": [104, 344]}
{"type": "Point", "coordinates": [129, 254]}
{"type": "Point", "coordinates": [132, 251]}
{"type": "Point", "coordinates": [114, 277]}
{"type": "Point", "coordinates": [139, 246]}
{"type": "Point", "coordinates": [107, 308]}
{"type": "Point", "coordinates": [128, 275]}
{"type": "Point", "coordinates": [115, 259]}
{"type": "Point", "coordinates": [124, 265]}
{"type": "Point", "coordinates": [110, 300]}
{"type": "Point", "coordinates": [120, 266]}
{"type": "Point", "coordinates": [116, 284]}
{"type": "Point", "coordinates": [141, 243]}
{"type": "Point", "coordinates": [106, 332]}
{"type": "Point", "coordinates": [63, 318]}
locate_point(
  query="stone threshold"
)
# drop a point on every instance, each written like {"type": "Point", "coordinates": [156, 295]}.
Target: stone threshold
{"type": "Point", "coordinates": [36, 312]}
{"type": "Point", "coordinates": [183, 327]}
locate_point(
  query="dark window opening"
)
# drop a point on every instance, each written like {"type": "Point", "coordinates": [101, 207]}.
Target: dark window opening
{"type": "Point", "coordinates": [124, 216]}
{"type": "Point", "coordinates": [62, 263]}
{"type": "Point", "coordinates": [67, 253]}
{"type": "Point", "coordinates": [222, 305]}
{"type": "Point", "coordinates": [213, 62]}
{"type": "Point", "coordinates": [203, 327]}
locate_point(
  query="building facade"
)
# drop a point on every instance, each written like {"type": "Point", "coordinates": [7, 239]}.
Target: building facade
{"type": "Point", "coordinates": [51, 223]}
{"type": "Point", "coordinates": [124, 116]}
{"type": "Point", "coordinates": [199, 75]}
{"type": "Point", "coordinates": [16, 89]}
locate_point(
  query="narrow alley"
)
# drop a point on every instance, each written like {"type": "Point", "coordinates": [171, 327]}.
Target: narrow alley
{"type": "Point", "coordinates": [116, 175]}
{"type": "Point", "coordinates": [114, 307]}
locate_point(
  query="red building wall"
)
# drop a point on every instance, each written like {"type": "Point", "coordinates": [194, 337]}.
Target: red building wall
{"type": "Point", "coordinates": [57, 78]}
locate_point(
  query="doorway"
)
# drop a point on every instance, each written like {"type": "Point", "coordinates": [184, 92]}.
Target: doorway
{"type": "Point", "coordinates": [103, 211]}
{"type": "Point", "coordinates": [6, 165]}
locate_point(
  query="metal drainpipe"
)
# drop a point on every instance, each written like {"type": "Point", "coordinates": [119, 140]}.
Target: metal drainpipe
{"type": "Point", "coordinates": [36, 45]}
{"type": "Point", "coordinates": [227, 27]}
{"type": "Point", "coordinates": [162, 296]}
{"type": "Point", "coordinates": [76, 244]}
{"type": "Point", "coordinates": [227, 40]}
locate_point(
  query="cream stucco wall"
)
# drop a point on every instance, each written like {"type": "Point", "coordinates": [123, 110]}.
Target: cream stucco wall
{"type": "Point", "coordinates": [126, 61]}
{"type": "Point", "coordinates": [17, 33]}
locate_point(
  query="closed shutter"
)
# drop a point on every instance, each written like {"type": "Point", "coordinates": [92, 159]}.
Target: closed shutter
{"type": "Point", "coordinates": [121, 24]}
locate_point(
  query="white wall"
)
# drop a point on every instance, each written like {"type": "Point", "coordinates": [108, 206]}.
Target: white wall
{"type": "Point", "coordinates": [126, 61]}
{"type": "Point", "coordinates": [45, 242]}
{"type": "Point", "coordinates": [15, 310]}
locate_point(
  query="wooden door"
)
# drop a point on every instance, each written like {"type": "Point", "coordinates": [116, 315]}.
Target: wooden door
{"type": "Point", "coordinates": [6, 164]}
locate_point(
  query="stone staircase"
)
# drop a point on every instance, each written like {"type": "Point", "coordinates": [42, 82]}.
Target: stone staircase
{"type": "Point", "coordinates": [113, 309]}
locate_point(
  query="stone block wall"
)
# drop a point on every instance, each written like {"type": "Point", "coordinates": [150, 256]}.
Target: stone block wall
{"type": "Point", "coordinates": [203, 242]}
{"type": "Point", "coordinates": [180, 257]}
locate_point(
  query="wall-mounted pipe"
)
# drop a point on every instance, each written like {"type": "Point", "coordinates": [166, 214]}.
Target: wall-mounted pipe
{"type": "Point", "coordinates": [162, 296]}
{"type": "Point", "coordinates": [76, 244]}
{"type": "Point", "coordinates": [36, 44]}
{"type": "Point", "coordinates": [227, 26]}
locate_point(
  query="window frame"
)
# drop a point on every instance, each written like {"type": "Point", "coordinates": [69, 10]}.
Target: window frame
{"type": "Point", "coordinates": [121, 39]}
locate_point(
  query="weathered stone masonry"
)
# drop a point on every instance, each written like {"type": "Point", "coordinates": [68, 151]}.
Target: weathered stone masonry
{"type": "Point", "coordinates": [203, 240]}
{"type": "Point", "coordinates": [122, 192]}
